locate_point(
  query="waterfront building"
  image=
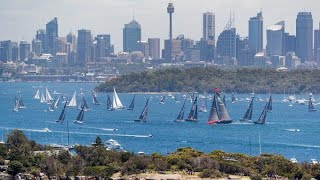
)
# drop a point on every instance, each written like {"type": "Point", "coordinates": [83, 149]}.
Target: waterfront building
{"type": "Point", "coordinates": [304, 36]}
{"type": "Point", "coordinates": [208, 26]}
{"type": "Point", "coordinates": [51, 34]}
{"type": "Point", "coordinates": [131, 36]}
{"type": "Point", "coordinates": [154, 48]}
{"type": "Point", "coordinates": [255, 41]}
{"type": "Point", "coordinates": [276, 39]}
{"type": "Point", "coordinates": [84, 47]}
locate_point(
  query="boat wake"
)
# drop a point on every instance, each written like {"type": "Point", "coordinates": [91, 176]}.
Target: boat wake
{"type": "Point", "coordinates": [299, 145]}
{"type": "Point", "coordinates": [103, 129]}
{"type": "Point", "coordinates": [293, 130]}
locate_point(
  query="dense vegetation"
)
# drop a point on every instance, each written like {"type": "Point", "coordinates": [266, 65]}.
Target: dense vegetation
{"type": "Point", "coordinates": [98, 162]}
{"type": "Point", "coordinates": [242, 80]}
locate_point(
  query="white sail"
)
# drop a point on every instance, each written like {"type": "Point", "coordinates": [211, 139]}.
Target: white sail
{"type": "Point", "coordinates": [48, 95]}
{"type": "Point", "coordinates": [37, 96]}
{"type": "Point", "coordinates": [56, 103]}
{"type": "Point", "coordinates": [116, 100]}
{"type": "Point", "coordinates": [73, 101]}
{"type": "Point", "coordinates": [42, 99]}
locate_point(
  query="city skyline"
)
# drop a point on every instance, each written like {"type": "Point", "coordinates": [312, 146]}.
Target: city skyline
{"type": "Point", "coordinates": [38, 13]}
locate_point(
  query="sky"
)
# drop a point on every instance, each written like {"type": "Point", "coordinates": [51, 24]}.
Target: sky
{"type": "Point", "coordinates": [20, 19]}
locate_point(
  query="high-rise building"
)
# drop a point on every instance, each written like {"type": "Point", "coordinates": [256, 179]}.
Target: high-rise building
{"type": "Point", "coordinates": [289, 43]}
{"type": "Point", "coordinates": [84, 46]}
{"type": "Point", "coordinates": [60, 45]}
{"type": "Point", "coordinates": [304, 36]}
{"type": "Point", "coordinates": [172, 48]}
{"type": "Point", "coordinates": [208, 26]}
{"type": "Point", "coordinates": [275, 39]}
{"type": "Point", "coordinates": [51, 34]}
{"type": "Point", "coordinates": [6, 50]}
{"type": "Point", "coordinates": [154, 48]}
{"type": "Point", "coordinates": [143, 47]}
{"type": "Point", "coordinates": [106, 38]}
{"type": "Point", "coordinates": [131, 36]}
{"type": "Point", "coordinates": [317, 44]}
{"type": "Point", "coordinates": [41, 36]}
{"type": "Point", "coordinates": [37, 47]}
{"type": "Point", "coordinates": [226, 44]}
{"type": "Point", "coordinates": [72, 39]}
{"type": "Point", "coordinates": [255, 40]}
{"type": "Point", "coordinates": [25, 48]}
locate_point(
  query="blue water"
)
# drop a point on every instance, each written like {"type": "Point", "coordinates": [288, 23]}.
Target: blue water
{"type": "Point", "coordinates": [275, 135]}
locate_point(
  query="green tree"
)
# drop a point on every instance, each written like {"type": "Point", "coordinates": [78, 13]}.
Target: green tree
{"type": "Point", "coordinates": [15, 167]}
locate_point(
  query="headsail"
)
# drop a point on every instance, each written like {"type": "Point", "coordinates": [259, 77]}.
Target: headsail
{"type": "Point", "coordinates": [213, 118]}
{"type": "Point", "coordinates": [269, 107]}
{"type": "Point", "coordinates": [16, 104]}
{"type": "Point", "coordinates": [80, 116]}
{"type": "Point", "coordinates": [204, 105]}
{"type": "Point", "coordinates": [37, 95]}
{"type": "Point", "coordinates": [63, 114]}
{"type": "Point", "coordinates": [248, 115]}
{"type": "Point", "coordinates": [193, 114]}
{"type": "Point", "coordinates": [73, 101]}
{"type": "Point", "coordinates": [48, 96]}
{"type": "Point", "coordinates": [56, 102]}
{"type": "Point", "coordinates": [109, 104]}
{"type": "Point", "coordinates": [94, 99]}
{"type": "Point", "coordinates": [263, 115]}
{"type": "Point", "coordinates": [42, 99]}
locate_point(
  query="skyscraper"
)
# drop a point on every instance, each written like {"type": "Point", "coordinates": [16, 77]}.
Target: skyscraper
{"type": "Point", "coordinates": [208, 26]}
{"type": "Point", "coordinates": [317, 44]}
{"type": "Point", "coordinates": [143, 47]}
{"type": "Point", "coordinates": [226, 43]}
{"type": "Point", "coordinates": [256, 33]}
{"type": "Point", "coordinates": [289, 43]}
{"type": "Point", "coordinates": [304, 36]}
{"type": "Point", "coordinates": [72, 39]}
{"type": "Point", "coordinates": [41, 36]}
{"type": "Point", "coordinates": [37, 46]}
{"type": "Point", "coordinates": [24, 47]}
{"type": "Point", "coordinates": [170, 10]}
{"type": "Point", "coordinates": [6, 50]}
{"type": "Point", "coordinates": [60, 45]}
{"type": "Point", "coordinates": [51, 34]}
{"type": "Point", "coordinates": [154, 48]}
{"type": "Point", "coordinates": [84, 46]}
{"type": "Point", "coordinates": [131, 36]}
{"type": "Point", "coordinates": [275, 39]}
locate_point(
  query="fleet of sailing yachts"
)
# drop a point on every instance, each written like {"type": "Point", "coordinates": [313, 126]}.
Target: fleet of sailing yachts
{"type": "Point", "coordinates": [218, 111]}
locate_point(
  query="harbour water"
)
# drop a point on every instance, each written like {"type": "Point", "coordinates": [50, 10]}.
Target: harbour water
{"type": "Point", "coordinates": [291, 131]}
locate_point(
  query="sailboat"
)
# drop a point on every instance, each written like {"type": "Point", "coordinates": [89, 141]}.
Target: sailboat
{"type": "Point", "coordinates": [51, 107]}
{"type": "Point", "coordinates": [193, 114]}
{"type": "Point", "coordinates": [181, 113]}
{"type": "Point", "coordinates": [263, 115]}
{"type": "Point", "coordinates": [311, 106]}
{"type": "Point", "coordinates": [42, 98]}
{"type": "Point", "coordinates": [37, 95]}
{"type": "Point", "coordinates": [224, 101]}
{"type": "Point", "coordinates": [94, 99]}
{"type": "Point", "coordinates": [109, 104]}
{"type": "Point", "coordinates": [116, 103]}
{"type": "Point", "coordinates": [248, 115]}
{"type": "Point", "coordinates": [63, 114]}
{"type": "Point", "coordinates": [48, 96]}
{"type": "Point", "coordinates": [21, 104]}
{"type": "Point", "coordinates": [269, 107]}
{"type": "Point", "coordinates": [83, 105]}
{"type": "Point", "coordinates": [80, 116]}
{"type": "Point", "coordinates": [218, 113]}
{"type": "Point", "coordinates": [131, 107]}
{"type": "Point", "coordinates": [16, 104]}
{"type": "Point", "coordinates": [203, 107]}
{"type": "Point", "coordinates": [144, 114]}
{"type": "Point", "coordinates": [163, 99]}
{"type": "Point", "coordinates": [233, 98]}
{"type": "Point", "coordinates": [73, 101]}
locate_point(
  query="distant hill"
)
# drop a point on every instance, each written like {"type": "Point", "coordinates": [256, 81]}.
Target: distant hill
{"type": "Point", "coordinates": [242, 80]}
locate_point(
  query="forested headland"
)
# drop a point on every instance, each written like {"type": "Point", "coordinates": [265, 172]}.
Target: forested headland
{"type": "Point", "coordinates": [34, 160]}
{"type": "Point", "coordinates": [201, 80]}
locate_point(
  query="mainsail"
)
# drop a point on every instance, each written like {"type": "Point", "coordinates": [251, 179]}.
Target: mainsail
{"type": "Point", "coordinates": [248, 115]}
{"type": "Point", "coordinates": [16, 104]}
{"type": "Point", "coordinates": [83, 104]}
{"type": "Point", "coordinates": [73, 101]}
{"type": "Point", "coordinates": [213, 118]}
{"type": "Point", "coordinates": [80, 116]}
{"type": "Point", "coordinates": [63, 114]}
{"type": "Point", "coordinates": [42, 98]}
{"type": "Point", "coordinates": [193, 114]}
{"type": "Point", "coordinates": [56, 102]}
{"type": "Point", "coordinates": [116, 103]}
{"type": "Point", "coordinates": [131, 107]}
{"type": "Point", "coordinates": [37, 95]}
{"type": "Point", "coordinates": [109, 104]}
{"type": "Point", "coordinates": [21, 104]}
{"type": "Point", "coordinates": [181, 113]}
{"type": "Point", "coordinates": [48, 96]}
{"type": "Point", "coordinates": [144, 114]}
